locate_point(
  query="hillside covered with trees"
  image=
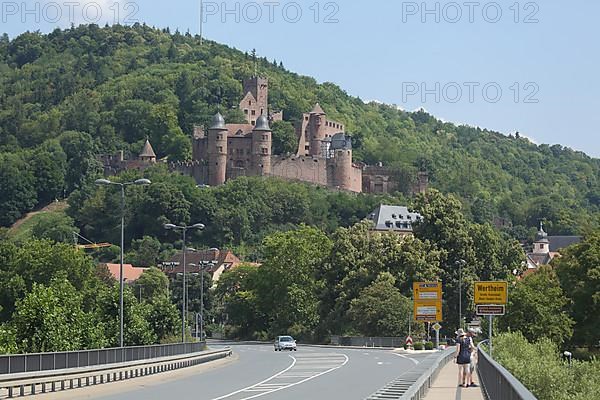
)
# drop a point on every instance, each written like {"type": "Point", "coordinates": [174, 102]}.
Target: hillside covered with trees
{"type": "Point", "coordinates": [70, 95]}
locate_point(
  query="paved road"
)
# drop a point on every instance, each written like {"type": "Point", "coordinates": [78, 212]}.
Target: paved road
{"type": "Point", "coordinates": [311, 373]}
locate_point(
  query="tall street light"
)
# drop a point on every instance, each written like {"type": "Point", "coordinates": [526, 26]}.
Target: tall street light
{"type": "Point", "coordinates": [106, 182]}
{"type": "Point", "coordinates": [183, 229]}
{"type": "Point", "coordinates": [202, 267]}
{"type": "Point", "coordinates": [460, 265]}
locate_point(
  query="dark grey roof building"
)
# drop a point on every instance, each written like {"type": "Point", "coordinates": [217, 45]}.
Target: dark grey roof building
{"type": "Point", "coordinates": [546, 248]}
{"type": "Point", "coordinates": [394, 219]}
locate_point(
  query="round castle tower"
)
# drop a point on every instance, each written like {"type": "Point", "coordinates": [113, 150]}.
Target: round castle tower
{"type": "Point", "coordinates": [316, 130]}
{"type": "Point", "coordinates": [341, 145]}
{"type": "Point", "coordinates": [217, 151]}
{"type": "Point", "coordinates": [261, 146]}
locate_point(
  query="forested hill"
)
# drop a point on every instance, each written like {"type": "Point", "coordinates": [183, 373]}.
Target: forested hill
{"type": "Point", "coordinates": [119, 85]}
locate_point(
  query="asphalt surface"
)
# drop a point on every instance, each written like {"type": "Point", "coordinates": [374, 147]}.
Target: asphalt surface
{"type": "Point", "coordinates": [311, 373]}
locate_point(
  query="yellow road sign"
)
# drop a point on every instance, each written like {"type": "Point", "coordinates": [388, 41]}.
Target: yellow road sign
{"type": "Point", "coordinates": [427, 301]}
{"type": "Point", "coordinates": [427, 290]}
{"type": "Point", "coordinates": [491, 292]}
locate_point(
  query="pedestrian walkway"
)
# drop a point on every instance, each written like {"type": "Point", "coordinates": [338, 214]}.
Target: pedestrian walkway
{"type": "Point", "coordinates": [445, 386]}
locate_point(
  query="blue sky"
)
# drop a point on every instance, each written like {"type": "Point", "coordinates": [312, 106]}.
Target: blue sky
{"type": "Point", "coordinates": [506, 65]}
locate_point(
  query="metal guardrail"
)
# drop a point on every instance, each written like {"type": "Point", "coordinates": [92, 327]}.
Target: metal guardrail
{"type": "Point", "coordinates": [31, 383]}
{"type": "Point", "coordinates": [496, 382]}
{"type": "Point", "coordinates": [414, 384]}
{"type": "Point", "coordinates": [35, 362]}
{"type": "Point", "coordinates": [363, 341]}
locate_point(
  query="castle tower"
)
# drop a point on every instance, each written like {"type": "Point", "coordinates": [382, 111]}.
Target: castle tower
{"type": "Point", "coordinates": [217, 151]}
{"type": "Point", "coordinates": [147, 155]}
{"type": "Point", "coordinates": [541, 244]}
{"type": "Point", "coordinates": [341, 145]}
{"type": "Point", "coordinates": [256, 99]}
{"type": "Point", "coordinates": [316, 130]}
{"type": "Point", "coordinates": [261, 147]}
{"type": "Point", "coordinates": [259, 87]}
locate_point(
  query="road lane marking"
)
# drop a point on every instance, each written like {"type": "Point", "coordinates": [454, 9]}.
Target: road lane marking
{"type": "Point", "coordinates": [408, 358]}
{"type": "Point", "coordinates": [256, 384]}
{"type": "Point", "coordinates": [334, 361]}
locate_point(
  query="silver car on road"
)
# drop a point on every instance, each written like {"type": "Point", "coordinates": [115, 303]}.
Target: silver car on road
{"type": "Point", "coordinates": [285, 343]}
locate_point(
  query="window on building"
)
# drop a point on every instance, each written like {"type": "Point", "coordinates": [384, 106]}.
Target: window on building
{"type": "Point", "coordinates": [265, 150]}
{"type": "Point", "coordinates": [265, 137]}
{"type": "Point", "coordinates": [220, 149]}
{"type": "Point", "coordinates": [253, 122]}
{"type": "Point", "coordinates": [246, 111]}
{"type": "Point", "coordinates": [262, 111]}
{"type": "Point", "coordinates": [253, 112]}
{"type": "Point", "coordinates": [249, 102]}
{"type": "Point", "coordinates": [542, 246]}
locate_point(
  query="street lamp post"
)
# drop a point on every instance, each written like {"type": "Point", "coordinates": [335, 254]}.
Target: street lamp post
{"type": "Point", "coordinates": [183, 229]}
{"type": "Point", "coordinates": [106, 182]}
{"type": "Point", "coordinates": [460, 265]}
{"type": "Point", "coordinates": [202, 266]}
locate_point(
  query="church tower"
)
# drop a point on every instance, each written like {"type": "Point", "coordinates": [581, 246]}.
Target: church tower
{"type": "Point", "coordinates": [261, 147]}
{"type": "Point", "coordinates": [541, 244]}
{"type": "Point", "coordinates": [217, 151]}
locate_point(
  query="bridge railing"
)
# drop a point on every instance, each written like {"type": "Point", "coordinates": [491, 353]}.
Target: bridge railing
{"type": "Point", "coordinates": [35, 362]}
{"type": "Point", "coordinates": [364, 341]}
{"type": "Point", "coordinates": [496, 382]}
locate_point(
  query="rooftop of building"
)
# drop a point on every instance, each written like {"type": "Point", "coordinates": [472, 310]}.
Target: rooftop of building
{"type": "Point", "coordinates": [130, 273]}
{"type": "Point", "coordinates": [393, 218]}
{"type": "Point", "coordinates": [147, 151]}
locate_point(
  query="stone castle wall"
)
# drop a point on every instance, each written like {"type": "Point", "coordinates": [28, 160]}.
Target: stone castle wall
{"type": "Point", "coordinates": [306, 169]}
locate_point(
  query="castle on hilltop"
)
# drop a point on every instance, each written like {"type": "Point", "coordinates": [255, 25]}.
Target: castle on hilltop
{"type": "Point", "coordinates": [323, 157]}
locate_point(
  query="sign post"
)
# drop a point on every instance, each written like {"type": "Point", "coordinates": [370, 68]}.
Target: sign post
{"type": "Point", "coordinates": [490, 300]}
{"type": "Point", "coordinates": [427, 301]}
{"type": "Point", "coordinates": [491, 322]}
{"type": "Point", "coordinates": [436, 327]}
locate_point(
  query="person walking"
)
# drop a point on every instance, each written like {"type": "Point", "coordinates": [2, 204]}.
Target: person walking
{"type": "Point", "coordinates": [464, 348]}
{"type": "Point", "coordinates": [472, 333]}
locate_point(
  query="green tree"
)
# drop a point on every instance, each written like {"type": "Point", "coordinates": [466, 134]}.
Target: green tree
{"type": "Point", "coordinates": [41, 262]}
{"type": "Point", "coordinates": [579, 272]}
{"type": "Point", "coordinates": [164, 318]}
{"type": "Point", "coordinates": [49, 169]}
{"type": "Point", "coordinates": [137, 330]}
{"type": "Point", "coordinates": [288, 288]}
{"type": "Point", "coordinates": [18, 194]}
{"type": "Point", "coordinates": [82, 165]}
{"type": "Point", "coordinates": [284, 138]}
{"type": "Point", "coordinates": [145, 251]}
{"type": "Point", "coordinates": [57, 227]}
{"type": "Point", "coordinates": [154, 284]}
{"type": "Point", "coordinates": [52, 319]}
{"type": "Point", "coordinates": [380, 309]}
{"type": "Point", "coordinates": [236, 298]}
{"type": "Point", "coordinates": [536, 308]}
{"type": "Point", "coordinates": [359, 257]}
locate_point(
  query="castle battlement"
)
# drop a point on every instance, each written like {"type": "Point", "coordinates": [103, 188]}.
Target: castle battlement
{"type": "Point", "coordinates": [227, 151]}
